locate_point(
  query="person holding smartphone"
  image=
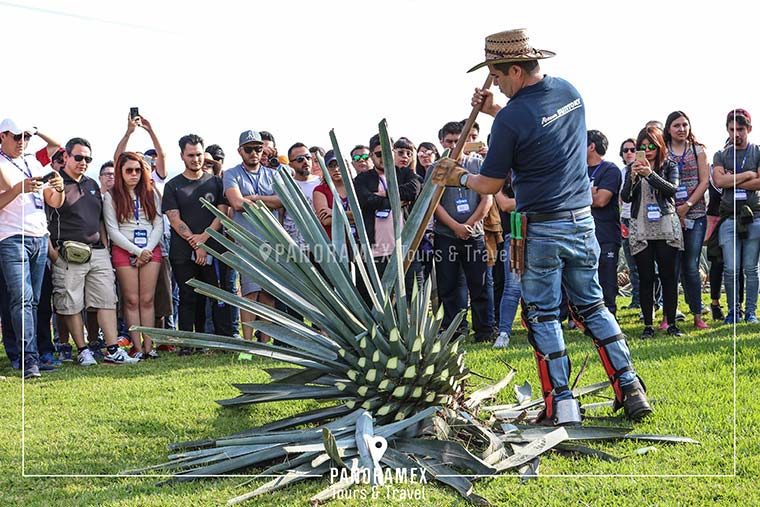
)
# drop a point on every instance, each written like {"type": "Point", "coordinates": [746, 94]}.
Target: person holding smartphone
{"type": "Point", "coordinates": [135, 226]}
{"type": "Point", "coordinates": [655, 232]}
{"type": "Point", "coordinates": [23, 241]}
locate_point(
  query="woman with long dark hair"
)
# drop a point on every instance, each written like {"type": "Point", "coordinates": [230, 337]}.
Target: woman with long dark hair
{"type": "Point", "coordinates": [694, 178]}
{"type": "Point", "coordinates": [135, 227]}
{"type": "Point", "coordinates": [427, 154]}
{"type": "Point", "coordinates": [655, 232]}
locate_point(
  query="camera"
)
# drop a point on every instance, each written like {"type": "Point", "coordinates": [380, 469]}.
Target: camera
{"type": "Point", "coordinates": [274, 162]}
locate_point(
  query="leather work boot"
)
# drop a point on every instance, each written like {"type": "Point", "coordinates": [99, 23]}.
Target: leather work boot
{"type": "Point", "coordinates": [635, 402]}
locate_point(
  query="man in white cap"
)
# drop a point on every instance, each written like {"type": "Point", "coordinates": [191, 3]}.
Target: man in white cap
{"type": "Point", "coordinates": [540, 136]}
{"type": "Point", "coordinates": [24, 191]}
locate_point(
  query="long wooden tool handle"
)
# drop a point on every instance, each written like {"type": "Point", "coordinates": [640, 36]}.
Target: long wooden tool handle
{"type": "Point", "coordinates": [439, 190]}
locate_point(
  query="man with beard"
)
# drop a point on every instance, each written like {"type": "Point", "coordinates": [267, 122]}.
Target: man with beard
{"type": "Point", "coordinates": [300, 162]}
{"type": "Point", "coordinates": [189, 220]}
{"type": "Point", "coordinates": [249, 182]}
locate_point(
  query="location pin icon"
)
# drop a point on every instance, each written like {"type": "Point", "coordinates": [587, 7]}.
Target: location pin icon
{"type": "Point", "coordinates": [377, 447]}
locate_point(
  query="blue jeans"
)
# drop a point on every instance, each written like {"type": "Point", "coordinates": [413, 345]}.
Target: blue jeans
{"type": "Point", "coordinates": [746, 255]}
{"type": "Point", "coordinates": [468, 255]}
{"type": "Point", "coordinates": [633, 274]}
{"type": "Point", "coordinates": [510, 298]}
{"type": "Point", "coordinates": [566, 253]}
{"type": "Point", "coordinates": [23, 265]}
{"type": "Point", "coordinates": [687, 264]}
{"type": "Point", "coordinates": [9, 336]}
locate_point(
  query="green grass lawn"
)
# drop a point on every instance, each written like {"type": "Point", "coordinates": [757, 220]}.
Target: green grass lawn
{"type": "Point", "coordinates": [106, 419]}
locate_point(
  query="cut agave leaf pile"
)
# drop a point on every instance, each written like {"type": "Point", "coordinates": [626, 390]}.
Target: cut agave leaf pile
{"type": "Point", "coordinates": [386, 369]}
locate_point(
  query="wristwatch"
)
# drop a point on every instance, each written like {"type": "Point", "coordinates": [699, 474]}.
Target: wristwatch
{"type": "Point", "coordinates": [463, 180]}
{"type": "Point", "coordinates": [689, 204]}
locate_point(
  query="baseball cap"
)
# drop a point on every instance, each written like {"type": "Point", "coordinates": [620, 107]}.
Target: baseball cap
{"type": "Point", "coordinates": [329, 157]}
{"type": "Point", "coordinates": [249, 136]}
{"type": "Point", "coordinates": [58, 154]}
{"type": "Point", "coordinates": [150, 153]}
{"type": "Point", "coordinates": [283, 159]}
{"type": "Point", "coordinates": [8, 125]}
{"type": "Point", "coordinates": [739, 112]}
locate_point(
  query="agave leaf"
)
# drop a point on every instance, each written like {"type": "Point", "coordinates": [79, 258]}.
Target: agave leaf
{"type": "Point", "coordinates": [452, 453]}
{"type": "Point", "coordinates": [230, 464]}
{"type": "Point", "coordinates": [661, 438]}
{"type": "Point", "coordinates": [529, 470]}
{"type": "Point", "coordinates": [393, 196]}
{"type": "Point", "coordinates": [448, 476]}
{"type": "Point", "coordinates": [531, 432]}
{"type": "Point", "coordinates": [523, 393]}
{"type": "Point", "coordinates": [206, 340]}
{"type": "Point", "coordinates": [412, 224]}
{"type": "Point", "coordinates": [295, 340]}
{"type": "Point", "coordinates": [364, 262]}
{"type": "Point", "coordinates": [586, 451]}
{"type": "Point", "coordinates": [533, 449]}
{"type": "Point", "coordinates": [292, 477]}
{"type": "Point", "coordinates": [333, 491]}
{"type": "Point", "coordinates": [310, 416]}
{"type": "Point", "coordinates": [489, 391]}
{"type": "Point", "coordinates": [331, 447]}
{"type": "Point", "coordinates": [313, 231]}
{"type": "Point", "coordinates": [591, 389]}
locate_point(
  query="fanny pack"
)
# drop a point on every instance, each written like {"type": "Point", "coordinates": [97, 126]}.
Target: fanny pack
{"type": "Point", "coordinates": [76, 252]}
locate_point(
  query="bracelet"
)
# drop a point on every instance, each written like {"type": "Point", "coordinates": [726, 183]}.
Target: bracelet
{"type": "Point", "coordinates": [689, 204]}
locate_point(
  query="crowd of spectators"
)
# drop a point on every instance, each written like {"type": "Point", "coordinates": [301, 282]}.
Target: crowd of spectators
{"type": "Point", "coordinates": [84, 260]}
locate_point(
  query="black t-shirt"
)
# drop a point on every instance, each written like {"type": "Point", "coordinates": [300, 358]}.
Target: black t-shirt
{"type": "Point", "coordinates": [606, 176]}
{"type": "Point", "coordinates": [184, 195]}
{"type": "Point", "coordinates": [81, 214]}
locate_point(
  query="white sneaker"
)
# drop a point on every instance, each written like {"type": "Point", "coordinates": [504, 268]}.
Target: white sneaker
{"type": "Point", "coordinates": [153, 354]}
{"type": "Point", "coordinates": [120, 357]}
{"type": "Point", "coordinates": [502, 341]}
{"type": "Point", "coordinates": [137, 355]}
{"type": "Point", "coordinates": [85, 358]}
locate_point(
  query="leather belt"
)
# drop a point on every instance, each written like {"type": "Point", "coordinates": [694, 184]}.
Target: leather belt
{"type": "Point", "coordinates": [575, 214]}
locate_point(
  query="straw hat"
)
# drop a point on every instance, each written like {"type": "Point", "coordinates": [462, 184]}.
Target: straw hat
{"type": "Point", "coordinates": [511, 46]}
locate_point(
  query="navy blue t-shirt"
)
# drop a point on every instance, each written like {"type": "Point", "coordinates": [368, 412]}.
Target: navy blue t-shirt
{"type": "Point", "coordinates": [606, 176]}
{"type": "Point", "coordinates": [541, 135]}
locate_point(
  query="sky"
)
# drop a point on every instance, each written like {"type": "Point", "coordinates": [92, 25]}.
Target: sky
{"type": "Point", "coordinates": [299, 69]}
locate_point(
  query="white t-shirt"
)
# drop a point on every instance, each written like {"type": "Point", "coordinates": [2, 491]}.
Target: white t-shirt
{"type": "Point", "coordinates": [26, 213]}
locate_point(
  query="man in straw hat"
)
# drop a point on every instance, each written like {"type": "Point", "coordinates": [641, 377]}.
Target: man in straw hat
{"type": "Point", "coordinates": [540, 136]}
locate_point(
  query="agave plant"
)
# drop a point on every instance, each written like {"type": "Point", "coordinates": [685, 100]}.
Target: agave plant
{"type": "Point", "coordinates": [385, 369]}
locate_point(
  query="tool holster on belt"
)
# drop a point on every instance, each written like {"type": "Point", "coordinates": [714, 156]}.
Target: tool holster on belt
{"type": "Point", "coordinates": [519, 225]}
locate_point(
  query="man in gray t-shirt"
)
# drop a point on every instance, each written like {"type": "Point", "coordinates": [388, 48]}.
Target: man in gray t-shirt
{"type": "Point", "coordinates": [460, 247]}
{"type": "Point", "coordinates": [250, 181]}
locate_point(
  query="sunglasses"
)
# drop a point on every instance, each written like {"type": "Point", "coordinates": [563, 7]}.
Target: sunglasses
{"type": "Point", "coordinates": [79, 158]}
{"type": "Point", "coordinates": [250, 149]}
{"type": "Point", "coordinates": [357, 158]}
{"type": "Point", "coordinates": [424, 153]}
{"type": "Point", "coordinates": [25, 135]}
{"type": "Point", "coordinates": [132, 170]}
{"type": "Point", "coordinates": [650, 147]}
{"type": "Point", "coordinates": [629, 150]}
{"type": "Point", "coordinates": [378, 154]}
{"type": "Point", "coordinates": [301, 158]}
